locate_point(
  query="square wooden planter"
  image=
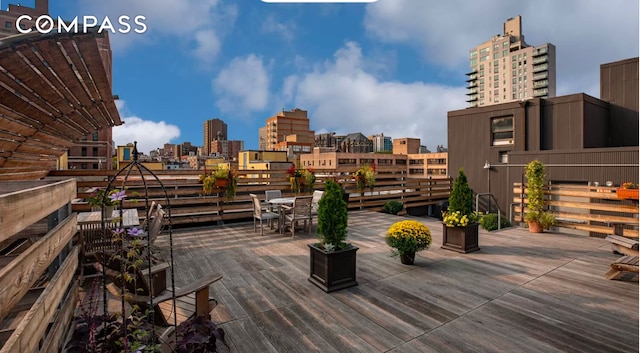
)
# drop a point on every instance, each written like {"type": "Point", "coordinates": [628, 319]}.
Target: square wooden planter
{"type": "Point", "coordinates": [460, 239]}
{"type": "Point", "coordinates": [631, 194]}
{"type": "Point", "coordinates": [332, 271]}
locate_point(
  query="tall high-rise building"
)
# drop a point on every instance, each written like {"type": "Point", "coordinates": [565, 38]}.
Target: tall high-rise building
{"type": "Point", "coordinates": [214, 129]}
{"type": "Point", "coordinates": [505, 68]}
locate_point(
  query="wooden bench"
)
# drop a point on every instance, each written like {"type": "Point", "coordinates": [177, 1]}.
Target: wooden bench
{"type": "Point", "coordinates": [623, 245]}
{"type": "Point", "coordinates": [625, 263]}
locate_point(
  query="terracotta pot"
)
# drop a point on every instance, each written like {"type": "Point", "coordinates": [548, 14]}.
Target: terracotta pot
{"type": "Point", "coordinates": [535, 227]}
{"type": "Point", "coordinates": [627, 194]}
{"type": "Point", "coordinates": [221, 183]}
{"type": "Point", "coordinates": [408, 258]}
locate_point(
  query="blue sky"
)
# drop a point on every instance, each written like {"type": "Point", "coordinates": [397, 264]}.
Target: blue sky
{"type": "Point", "coordinates": [395, 66]}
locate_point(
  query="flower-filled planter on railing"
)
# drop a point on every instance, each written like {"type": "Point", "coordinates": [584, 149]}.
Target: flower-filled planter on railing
{"type": "Point", "coordinates": [301, 179]}
{"type": "Point", "coordinates": [222, 178]}
{"type": "Point", "coordinates": [365, 178]}
{"type": "Point", "coordinates": [627, 191]}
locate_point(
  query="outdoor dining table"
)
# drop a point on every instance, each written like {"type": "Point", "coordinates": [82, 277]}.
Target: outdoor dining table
{"type": "Point", "coordinates": [279, 202]}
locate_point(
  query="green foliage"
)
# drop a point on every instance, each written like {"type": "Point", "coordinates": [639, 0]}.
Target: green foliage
{"type": "Point", "coordinates": [461, 198]}
{"type": "Point", "coordinates": [408, 237]}
{"type": "Point", "coordinates": [490, 222]}
{"type": "Point", "coordinates": [332, 217]}
{"type": "Point", "coordinates": [393, 207]}
{"type": "Point", "coordinates": [534, 171]}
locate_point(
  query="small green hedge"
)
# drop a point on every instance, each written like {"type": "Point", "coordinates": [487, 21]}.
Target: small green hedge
{"type": "Point", "coordinates": [490, 222]}
{"type": "Point", "coordinates": [393, 207]}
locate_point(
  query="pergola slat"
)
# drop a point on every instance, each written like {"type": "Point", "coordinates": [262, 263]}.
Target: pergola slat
{"type": "Point", "coordinates": [54, 89]}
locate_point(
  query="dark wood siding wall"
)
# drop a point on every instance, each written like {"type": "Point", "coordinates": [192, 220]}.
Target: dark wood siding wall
{"type": "Point", "coordinates": [570, 133]}
{"type": "Point", "coordinates": [619, 87]}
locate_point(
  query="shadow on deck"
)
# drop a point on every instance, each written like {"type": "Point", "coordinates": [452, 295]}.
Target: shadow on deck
{"type": "Point", "coordinates": [521, 292]}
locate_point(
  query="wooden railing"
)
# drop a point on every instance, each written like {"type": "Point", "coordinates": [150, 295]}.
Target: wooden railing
{"type": "Point", "coordinates": [594, 209]}
{"type": "Point", "coordinates": [189, 204]}
{"type": "Point", "coordinates": [37, 277]}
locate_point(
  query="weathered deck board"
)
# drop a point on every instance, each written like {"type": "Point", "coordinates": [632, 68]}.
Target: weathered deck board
{"type": "Point", "coordinates": [520, 293]}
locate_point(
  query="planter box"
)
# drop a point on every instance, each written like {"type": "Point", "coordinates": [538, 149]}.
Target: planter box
{"type": "Point", "coordinates": [631, 194]}
{"type": "Point", "coordinates": [334, 270]}
{"type": "Point", "coordinates": [460, 239]}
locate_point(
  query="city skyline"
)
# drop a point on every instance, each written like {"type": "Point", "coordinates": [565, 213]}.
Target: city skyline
{"type": "Point", "coordinates": [394, 67]}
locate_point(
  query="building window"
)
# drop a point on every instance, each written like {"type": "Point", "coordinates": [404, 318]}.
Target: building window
{"type": "Point", "coordinates": [502, 131]}
{"type": "Point", "coordinates": [95, 151]}
{"type": "Point", "coordinates": [83, 153]}
{"type": "Point", "coordinates": [83, 166]}
{"type": "Point", "coordinates": [7, 24]}
{"type": "Point", "coordinates": [95, 165]}
{"type": "Point", "coordinates": [94, 136]}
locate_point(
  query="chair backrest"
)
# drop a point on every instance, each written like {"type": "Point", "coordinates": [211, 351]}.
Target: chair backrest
{"type": "Point", "coordinates": [302, 206]}
{"type": "Point", "coordinates": [272, 194]}
{"type": "Point", "coordinates": [155, 227]}
{"type": "Point", "coordinates": [257, 208]}
{"type": "Point", "coordinates": [317, 195]}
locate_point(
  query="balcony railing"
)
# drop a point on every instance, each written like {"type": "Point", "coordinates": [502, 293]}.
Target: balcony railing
{"type": "Point", "coordinates": [543, 83]}
{"type": "Point", "coordinates": [538, 68]}
{"type": "Point", "coordinates": [189, 205]}
{"type": "Point", "coordinates": [540, 92]}
{"type": "Point", "coordinates": [540, 59]}
{"type": "Point", "coordinates": [540, 76]}
{"type": "Point", "coordinates": [539, 51]}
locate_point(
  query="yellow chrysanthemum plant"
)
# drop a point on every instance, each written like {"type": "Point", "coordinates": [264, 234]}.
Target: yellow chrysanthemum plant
{"type": "Point", "coordinates": [407, 237]}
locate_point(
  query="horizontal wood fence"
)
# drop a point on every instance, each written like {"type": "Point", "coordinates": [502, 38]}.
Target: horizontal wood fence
{"type": "Point", "coordinates": [38, 262]}
{"type": "Point", "coordinates": [595, 209]}
{"type": "Point", "coordinates": [189, 204]}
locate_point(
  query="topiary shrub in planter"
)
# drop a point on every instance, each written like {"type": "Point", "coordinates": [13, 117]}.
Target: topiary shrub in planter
{"type": "Point", "coordinates": [459, 223]}
{"type": "Point", "coordinates": [332, 261]}
{"type": "Point", "coordinates": [537, 218]}
{"type": "Point", "coordinates": [393, 207]}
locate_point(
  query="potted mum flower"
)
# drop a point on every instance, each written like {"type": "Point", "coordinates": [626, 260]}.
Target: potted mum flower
{"type": "Point", "coordinates": [406, 238]}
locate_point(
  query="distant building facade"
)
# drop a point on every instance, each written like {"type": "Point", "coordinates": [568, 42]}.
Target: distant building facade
{"type": "Point", "coordinates": [506, 69]}
{"type": "Point", "coordinates": [356, 143]}
{"type": "Point", "coordinates": [227, 149]}
{"type": "Point", "coordinates": [381, 143]}
{"type": "Point", "coordinates": [406, 145]}
{"type": "Point", "coordinates": [413, 165]}
{"type": "Point", "coordinates": [214, 129]}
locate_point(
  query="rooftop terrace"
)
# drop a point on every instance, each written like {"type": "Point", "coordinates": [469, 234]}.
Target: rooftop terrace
{"type": "Point", "coordinates": [520, 293]}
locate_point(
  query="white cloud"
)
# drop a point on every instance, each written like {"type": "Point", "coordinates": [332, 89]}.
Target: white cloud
{"type": "Point", "coordinates": [208, 45]}
{"type": "Point", "coordinates": [149, 134]}
{"type": "Point", "coordinates": [585, 33]}
{"type": "Point", "coordinates": [272, 25]}
{"type": "Point", "coordinates": [200, 23]}
{"type": "Point", "coordinates": [342, 96]}
{"type": "Point", "coordinates": [243, 86]}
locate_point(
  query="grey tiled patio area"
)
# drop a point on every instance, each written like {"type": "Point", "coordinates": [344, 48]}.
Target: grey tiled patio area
{"type": "Point", "coordinates": [521, 292]}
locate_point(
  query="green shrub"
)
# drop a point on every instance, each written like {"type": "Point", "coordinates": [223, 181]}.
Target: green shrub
{"type": "Point", "coordinates": [461, 198]}
{"type": "Point", "coordinates": [393, 207]}
{"type": "Point", "coordinates": [332, 217]}
{"type": "Point", "coordinates": [490, 222]}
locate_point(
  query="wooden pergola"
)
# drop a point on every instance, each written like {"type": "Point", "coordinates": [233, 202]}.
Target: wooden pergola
{"type": "Point", "coordinates": [54, 89]}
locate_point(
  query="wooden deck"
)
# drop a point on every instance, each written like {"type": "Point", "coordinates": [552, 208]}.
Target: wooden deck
{"type": "Point", "coordinates": [521, 292]}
